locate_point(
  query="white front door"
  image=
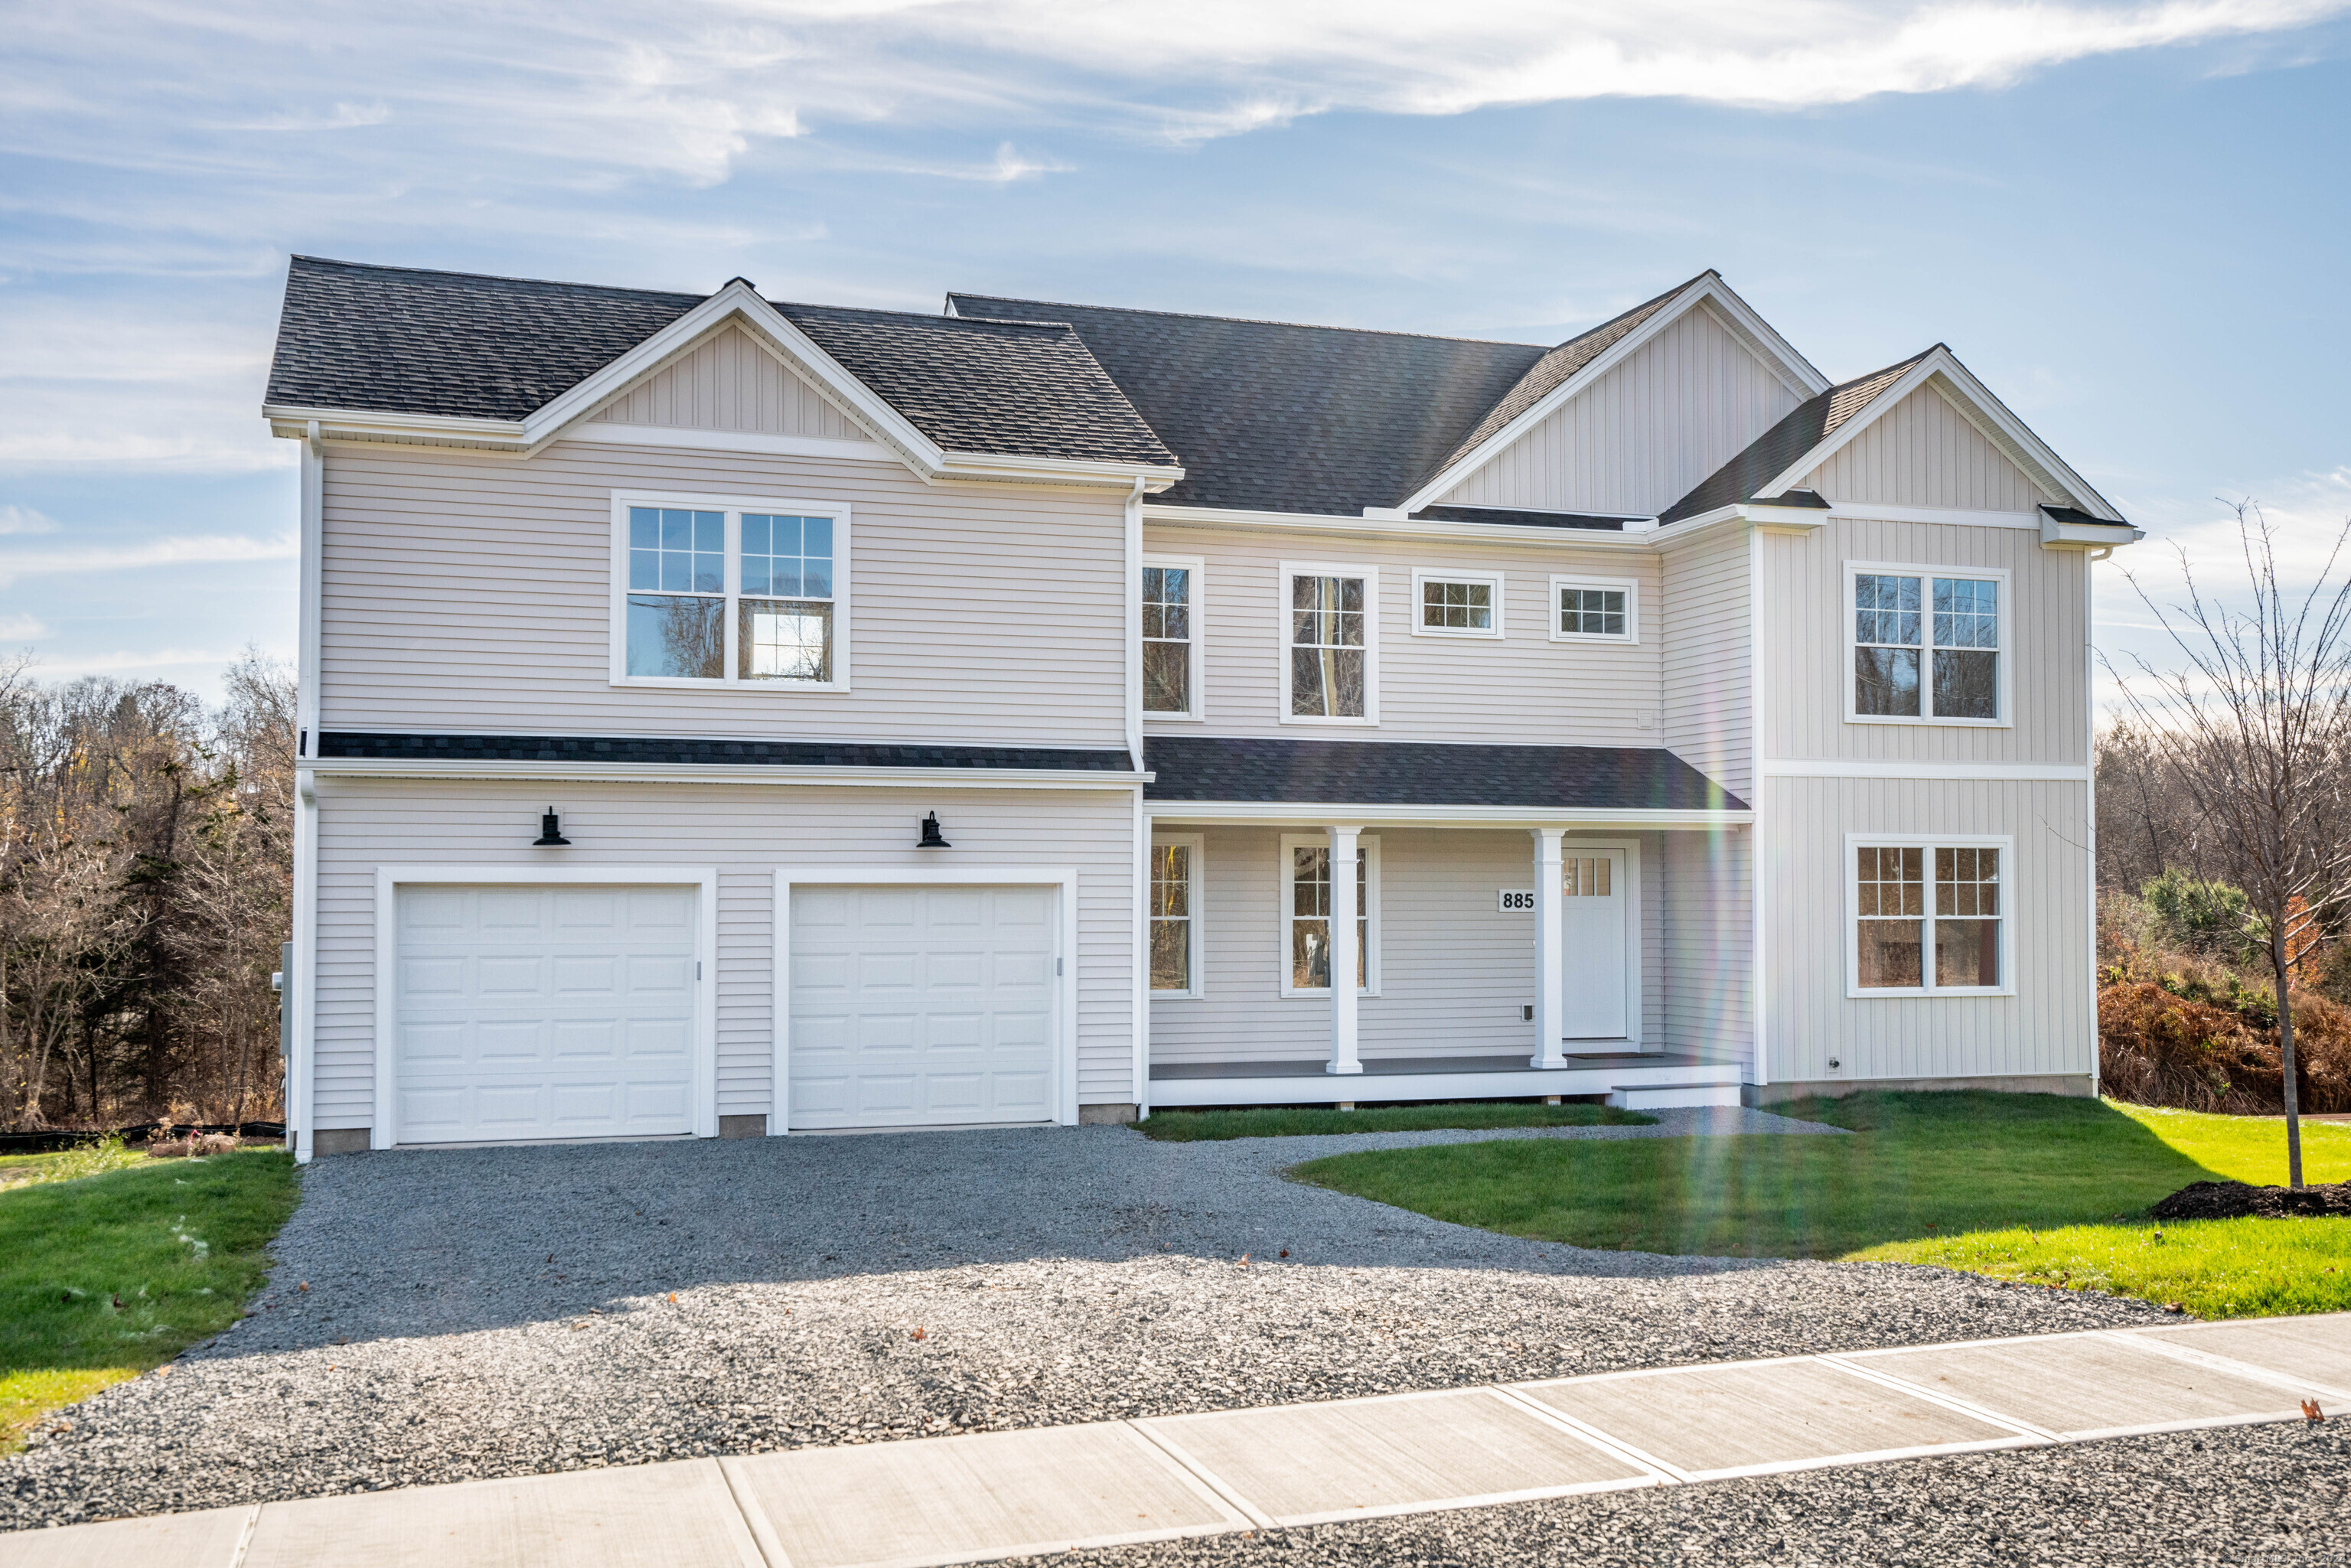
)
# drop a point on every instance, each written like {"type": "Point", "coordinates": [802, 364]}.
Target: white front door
{"type": "Point", "coordinates": [1592, 906]}
{"type": "Point", "coordinates": [921, 1006]}
{"type": "Point", "coordinates": [543, 1012]}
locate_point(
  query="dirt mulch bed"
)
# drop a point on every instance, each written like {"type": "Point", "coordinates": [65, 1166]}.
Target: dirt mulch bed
{"type": "Point", "coordinates": [2236, 1200]}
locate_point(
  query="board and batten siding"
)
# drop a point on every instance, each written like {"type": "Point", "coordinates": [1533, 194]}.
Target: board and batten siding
{"type": "Point", "coordinates": [2043, 1029]}
{"type": "Point", "coordinates": [748, 832]}
{"type": "Point", "coordinates": [1708, 941]}
{"type": "Point", "coordinates": [1923, 452]}
{"type": "Point", "coordinates": [730, 383]}
{"type": "Point", "coordinates": [1519, 689]}
{"type": "Point", "coordinates": [1709, 711]}
{"type": "Point", "coordinates": [467, 591]}
{"type": "Point", "coordinates": [1805, 672]}
{"type": "Point", "coordinates": [1643, 435]}
{"type": "Point", "coordinates": [1456, 974]}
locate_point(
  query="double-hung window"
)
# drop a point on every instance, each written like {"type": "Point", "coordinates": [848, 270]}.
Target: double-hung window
{"type": "Point", "coordinates": [724, 591]}
{"type": "Point", "coordinates": [1171, 637]}
{"type": "Point", "coordinates": [1329, 670]}
{"type": "Point", "coordinates": [1929, 916]}
{"type": "Point", "coordinates": [1176, 914]}
{"type": "Point", "coordinates": [1306, 874]}
{"type": "Point", "coordinates": [1928, 646]}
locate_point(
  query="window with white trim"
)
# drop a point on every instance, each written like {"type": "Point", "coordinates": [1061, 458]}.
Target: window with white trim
{"type": "Point", "coordinates": [711, 592]}
{"type": "Point", "coordinates": [1171, 637]}
{"type": "Point", "coordinates": [1331, 652]}
{"type": "Point", "coordinates": [1929, 918]}
{"type": "Point", "coordinates": [1926, 645]}
{"type": "Point", "coordinates": [1306, 936]}
{"type": "Point", "coordinates": [1175, 861]}
{"type": "Point", "coordinates": [1594, 610]}
{"type": "Point", "coordinates": [1457, 604]}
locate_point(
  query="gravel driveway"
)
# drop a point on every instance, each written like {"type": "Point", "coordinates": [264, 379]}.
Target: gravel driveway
{"type": "Point", "coordinates": [498, 1311]}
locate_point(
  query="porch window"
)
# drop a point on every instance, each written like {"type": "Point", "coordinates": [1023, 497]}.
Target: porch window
{"type": "Point", "coordinates": [1307, 864]}
{"type": "Point", "coordinates": [1929, 918]}
{"type": "Point", "coordinates": [1926, 648]}
{"type": "Point", "coordinates": [727, 595]}
{"type": "Point", "coordinates": [1175, 914]}
{"type": "Point", "coordinates": [1171, 638]}
{"type": "Point", "coordinates": [1331, 657]}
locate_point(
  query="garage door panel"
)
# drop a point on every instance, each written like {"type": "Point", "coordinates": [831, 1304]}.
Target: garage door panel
{"type": "Point", "coordinates": [545, 1012]}
{"type": "Point", "coordinates": [913, 1005]}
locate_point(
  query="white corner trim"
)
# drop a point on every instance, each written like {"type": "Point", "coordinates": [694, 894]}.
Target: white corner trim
{"type": "Point", "coordinates": [610, 434]}
{"type": "Point", "coordinates": [1840, 768]}
{"type": "Point", "coordinates": [1065, 1023]}
{"type": "Point", "coordinates": [1492, 580]}
{"type": "Point", "coordinates": [384, 1128]}
{"type": "Point", "coordinates": [1289, 571]}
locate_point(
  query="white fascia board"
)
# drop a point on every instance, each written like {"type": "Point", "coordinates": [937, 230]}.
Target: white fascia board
{"type": "Point", "coordinates": [1267, 813]}
{"type": "Point", "coordinates": [1779, 354]}
{"type": "Point", "coordinates": [2056, 535]}
{"type": "Point", "coordinates": [293, 421]}
{"type": "Point", "coordinates": [997, 465]}
{"type": "Point", "coordinates": [1995, 412]}
{"type": "Point", "coordinates": [1709, 288]}
{"type": "Point", "coordinates": [736, 773]}
{"type": "Point", "coordinates": [1390, 527]}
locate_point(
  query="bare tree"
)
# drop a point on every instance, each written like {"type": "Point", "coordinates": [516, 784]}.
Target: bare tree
{"type": "Point", "coordinates": [2254, 732]}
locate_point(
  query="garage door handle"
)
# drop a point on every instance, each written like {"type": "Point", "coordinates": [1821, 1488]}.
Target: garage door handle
{"type": "Point", "coordinates": [1057, 965]}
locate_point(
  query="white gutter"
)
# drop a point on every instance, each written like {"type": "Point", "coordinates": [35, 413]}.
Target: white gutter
{"type": "Point", "coordinates": [1634, 538]}
{"type": "Point", "coordinates": [1269, 813]}
{"type": "Point", "coordinates": [734, 773]}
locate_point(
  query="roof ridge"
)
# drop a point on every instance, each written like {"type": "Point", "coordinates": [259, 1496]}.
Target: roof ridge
{"type": "Point", "coordinates": [1241, 320]}
{"type": "Point", "coordinates": [496, 278]}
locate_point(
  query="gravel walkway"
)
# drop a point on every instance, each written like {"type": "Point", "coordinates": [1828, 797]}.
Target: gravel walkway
{"type": "Point", "coordinates": [499, 1312]}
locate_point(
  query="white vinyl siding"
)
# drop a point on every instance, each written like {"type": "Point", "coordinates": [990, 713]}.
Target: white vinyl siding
{"type": "Point", "coordinates": [1521, 687]}
{"type": "Point", "coordinates": [471, 592]}
{"type": "Point", "coordinates": [729, 383]}
{"type": "Point", "coordinates": [2043, 1027]}
{"type": "Point", "coordinates": [1923, 452]}
{"type": "Point", "coordinates": [1456, 973]}
{"type": "Point", "coordinates": [1709, 712]}
{"type": "Point", "coordinates": [746, 831]}
{"type": "Point", "coordinates": [1707, 936]}
{"type": "Point", "coordinates": [1643, 435]}
{"type": "Point", "coordinates": [1807, 654]}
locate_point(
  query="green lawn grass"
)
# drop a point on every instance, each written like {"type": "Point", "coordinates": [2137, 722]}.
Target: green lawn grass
{"type": "Point", "coordinates": [2024, 1187]}
{"type": "Point", "coordinates": [1294, 1121]}
{"type": "Point", "coordinates": [105, 1277]}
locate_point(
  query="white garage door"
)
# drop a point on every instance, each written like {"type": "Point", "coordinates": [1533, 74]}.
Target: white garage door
{"type": "Point", "coordinates": [921, 1006]}
{"type": "Point", "coordinates": [544, 1012]}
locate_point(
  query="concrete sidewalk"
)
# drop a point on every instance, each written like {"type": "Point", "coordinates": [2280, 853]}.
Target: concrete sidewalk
{"type": "Point", "coordinates": [973, 1498]}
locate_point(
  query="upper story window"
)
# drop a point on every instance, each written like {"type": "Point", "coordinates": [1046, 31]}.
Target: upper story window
{"type": "Point", "coordinates": [1926, 646]}
{"type": "Point", "coordinates": [1171, 637]}
{"type": "Point", "coordinates": [728, 592]}
{"type": "Point", "coordinates": [1330, 665]}
{"type": "Point", "coordinates": [1929, 916]}
{"type": "Point", "coordinates": [1457, 604]}
{"type": "Point", "coordinates": [1594, 610]}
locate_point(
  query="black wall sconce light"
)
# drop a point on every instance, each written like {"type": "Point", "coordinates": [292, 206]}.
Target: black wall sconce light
{"type": "Point", "coordinates": [931, 839]}
{"type": "Point", "coordinates": [548, 833]}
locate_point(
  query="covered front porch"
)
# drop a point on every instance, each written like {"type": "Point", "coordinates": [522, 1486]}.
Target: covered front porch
{"type": "Point", "coordinates": [1537, 948]}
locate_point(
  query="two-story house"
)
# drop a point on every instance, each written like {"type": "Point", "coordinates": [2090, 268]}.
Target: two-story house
{"type": "Point", "coordinates": [722, 716]}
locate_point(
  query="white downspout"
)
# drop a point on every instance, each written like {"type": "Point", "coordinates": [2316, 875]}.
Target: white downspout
{"type": "Point", "coordinates": [301, 1112]}
{"type": "Point", "coordinates": [1131, 620]}
{"type": "Point", "coordinates": [2090, 762]}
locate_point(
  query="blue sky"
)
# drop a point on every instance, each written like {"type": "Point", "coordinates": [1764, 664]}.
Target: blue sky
{"type": "Point", "coordinates": [2128, 219]}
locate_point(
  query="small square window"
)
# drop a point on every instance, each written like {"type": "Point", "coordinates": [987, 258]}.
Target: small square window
{"type": "Point", "coordinates": [1594, 611]}
{"type": "Point", "coordinates": [1457, 604]}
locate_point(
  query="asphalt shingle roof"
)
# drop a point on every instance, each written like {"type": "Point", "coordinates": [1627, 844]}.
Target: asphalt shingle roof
{"type": "Point", "coordinates": [399, 340]}
{"type": "Point", "coordinates": [1271, 416]}
{"type": "Point", "coordinates": [1417, 773]}
{"type": "Point", "coordinates": [1769, 455]}
{"type": "Point", "coordinates": [377, 746]}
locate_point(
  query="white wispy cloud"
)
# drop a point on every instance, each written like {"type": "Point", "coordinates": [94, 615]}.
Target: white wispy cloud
{"type": "Point", "coordinates": [185, 551]}
{"type": "Point", "coordinates": [15, 519]}
{"type": "Point", "coordinates": [22, 628]}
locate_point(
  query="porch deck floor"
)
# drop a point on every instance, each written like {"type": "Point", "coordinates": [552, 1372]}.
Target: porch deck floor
{"type": "Point", "coordinates": [1397, 1066]}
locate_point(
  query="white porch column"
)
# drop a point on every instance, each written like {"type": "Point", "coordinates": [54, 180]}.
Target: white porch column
{"type": "Point", "coordinates": [1550, 959]}
{"type": "Point", "coordinates": [1344, 979]}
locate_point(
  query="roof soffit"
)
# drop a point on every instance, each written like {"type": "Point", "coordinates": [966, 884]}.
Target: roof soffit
{"type": "Point", "coordinates": [1707, 292]}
